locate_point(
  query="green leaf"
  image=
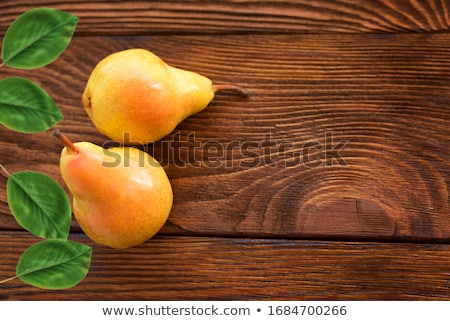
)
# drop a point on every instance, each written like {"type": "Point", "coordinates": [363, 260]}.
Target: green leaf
{"type": "Point", "coordinates": [26, 107]}
{"type": "Point", "coordinates": [54, 264]}
{"type": "Point", "coordinates": [37, 38]}
{"type": "Point", "coordinates": [39, 204]}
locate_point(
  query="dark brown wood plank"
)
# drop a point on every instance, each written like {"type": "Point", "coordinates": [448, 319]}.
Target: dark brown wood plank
{"type": "Point", "coordinates": [343, 136]}
{"type": "Point", "coordinates": [192, 268]}
{"type": "Point", "coordinates": [206, 17]}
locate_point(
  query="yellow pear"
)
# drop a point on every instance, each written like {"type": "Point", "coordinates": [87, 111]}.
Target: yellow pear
{"type": "Point", "coordinates": [121, 196]}
{"type": "Point", "coordinates": [134, 97]}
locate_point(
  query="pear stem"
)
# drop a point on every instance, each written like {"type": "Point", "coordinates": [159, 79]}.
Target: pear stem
{"type": "Point", "coordinates": [4, 170]}
{"type": "Point", "coordinates": [67, 142]}
{"type": "Point", "coordinates": [222, 87]}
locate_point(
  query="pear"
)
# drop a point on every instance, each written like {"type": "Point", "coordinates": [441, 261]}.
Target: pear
{"type": "Point", "coordinates": [134, 97]}
{"type": "Point", "coordinates": [121, 196]}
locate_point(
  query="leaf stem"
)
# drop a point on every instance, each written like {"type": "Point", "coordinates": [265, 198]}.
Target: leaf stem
{"type": "Point", "coordinates": [4, 170]}
{"type": "Point", "coordinates": [9, 279]}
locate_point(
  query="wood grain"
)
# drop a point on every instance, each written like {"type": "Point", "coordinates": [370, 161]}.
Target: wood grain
{"type": "Point", "coordinates": [212, 17]}
{"type": "Point", "coordinates": [192, 268]}
{"type": "Point", "coordinates": [343, 136]}
{"type": "Point", "coordinates": [331, 181]}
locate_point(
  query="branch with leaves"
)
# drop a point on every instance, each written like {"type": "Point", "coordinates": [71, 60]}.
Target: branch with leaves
{"type": "Point", "coordinates": [38, 203]}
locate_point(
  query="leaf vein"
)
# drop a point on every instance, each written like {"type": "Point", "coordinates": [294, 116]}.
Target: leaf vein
{"type": "Point", "coordinates": [46, 111]}
{"type": "Point", "coordinates": [39, 207]}
{"type": "Point", "coordinates": [30, 44]}
{"type": "Point", "coordinates": [49, 266]}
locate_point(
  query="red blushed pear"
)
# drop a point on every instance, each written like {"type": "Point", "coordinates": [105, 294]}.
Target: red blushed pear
{"type": "Point", "coordinates": [134, 92]}
{"type": "Point", "coordinates": [121, 196]}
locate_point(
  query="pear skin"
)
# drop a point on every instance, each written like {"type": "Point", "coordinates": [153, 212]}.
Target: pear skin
{"type": "Point", "coordinates": [121, 196]}
{"type": "Point", "coordinates": [134, 97]}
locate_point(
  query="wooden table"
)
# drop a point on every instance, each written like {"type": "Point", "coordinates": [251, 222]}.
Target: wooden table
{"type": "Point", "coordinates": [331, 181]}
